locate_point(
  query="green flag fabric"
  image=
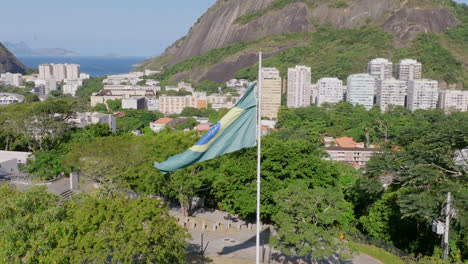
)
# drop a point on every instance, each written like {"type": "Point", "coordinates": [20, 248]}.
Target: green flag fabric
{"type": "Point", "coordinates": [235, 131]}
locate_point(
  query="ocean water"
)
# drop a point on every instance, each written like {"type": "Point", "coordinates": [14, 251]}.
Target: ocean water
{"type": "Point", "coordinates": [95, 66]}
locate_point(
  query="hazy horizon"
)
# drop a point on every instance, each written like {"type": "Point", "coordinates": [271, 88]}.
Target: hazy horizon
{"type": "Point", "coordinates": [141, 28]}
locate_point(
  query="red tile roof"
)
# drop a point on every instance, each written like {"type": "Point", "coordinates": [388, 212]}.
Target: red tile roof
{"type": "Point", "coordinates": [346, 142]}
{"type": "Point", "coordinates": [163, 121]}
{"type": "Point", "coordinates": [202, 127]}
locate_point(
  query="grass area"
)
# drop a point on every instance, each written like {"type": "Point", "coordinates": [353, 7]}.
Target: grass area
{"type": "Point", "coordinates": [377, 253]}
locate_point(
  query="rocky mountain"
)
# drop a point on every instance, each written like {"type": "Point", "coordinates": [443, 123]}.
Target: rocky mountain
{"type": "Point", "coordinates": [237, 22]}
{"type": "Point", "coordinates": [9, 63]}
{"type": "Point", "coordinates": [22, 49]}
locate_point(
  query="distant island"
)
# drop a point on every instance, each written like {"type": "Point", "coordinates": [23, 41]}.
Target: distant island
{"type": "Point", "coordinates": [22, 49]}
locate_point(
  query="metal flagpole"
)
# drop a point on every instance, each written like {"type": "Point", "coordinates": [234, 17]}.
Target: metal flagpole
{"type": "Point", "coordinates": [448, 214]}
{"type": "Point", "coordinates": [259, 148]}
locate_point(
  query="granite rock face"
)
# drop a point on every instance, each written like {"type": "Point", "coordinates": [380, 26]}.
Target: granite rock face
{"type": "Point", "coordinates": [9, 63]}
{"type": "Point", "coordinates": [219, 26]}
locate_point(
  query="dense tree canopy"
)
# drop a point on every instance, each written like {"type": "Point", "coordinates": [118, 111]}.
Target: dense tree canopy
{"type": "Point", "coordinates": [34, 228]}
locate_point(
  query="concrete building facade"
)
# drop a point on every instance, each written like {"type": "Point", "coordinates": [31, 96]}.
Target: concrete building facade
{"type": "Point", "coordinates": [299, 86]}
{"type": "Point", "coordinates": [422, 94]}
{"type": "Point", "coordinates": [88, 118]}
{"type": "Point", "coordinates": [329, 90]}
{"type": "Point", "coordinates": [380, 69]}
{"type": "Point", "coordinates": [133, 103]}
{"type": "Point", "coordinates": [361, 90]}
{"type": "Point", "coordinates": [391, 92]}
{"type": "Point", "coordinates": [45, 71]}
{"type": "Point", "coordinates": [409, 69]}
{"type": "Point", "coordinates": [271, 92]}
{"type": "Point", "coordinates": [453, 100]}
{"type": "Point", "coordinates": [72, 71]}
{"type": "Point", "coordinates": [10, 98]}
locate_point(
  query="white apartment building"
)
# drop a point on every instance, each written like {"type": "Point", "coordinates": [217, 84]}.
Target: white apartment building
{"type": "Point", "coordinates": [131, 77]}
{"type": "Point", "coordinates": [172, 104]}
{"type": "Point", "coordinates": [422, 94]}
{"type": "Point", "coordinates": [13, 79]}
{"type": "Point", "coordinates": [329, 90]}
{"type": "Point", "coordinates": [453, 100]}
{"type": "Point", "coordinates": [102, 96]}
{"type": "Point", "coordinates": [152, 104]}
{"type": "Point", "coordinates": [71, 86]}
{"type": "Point", "coordinates": [134, 103]}
{"type": "Point", "coordinates": [10, 98]}
{"type": "Point", "coordinates": [380, 68]}
{"type": "Point", "coordinates": [87, 118]}
{"type": "Point", "coordinates": [84, 76]}
{"type": "Point", "coordinates": [361, 89]}
{"type": "Point", "coordinates": [299, 86]}
{"type": "Point", "coordinates": [50, 86]}
{"type": "Point", "coordinates": [176, 104]}
{"type": "Point", "coordinates": [150, 72]}
{"type": "Point", "coordinates": [409, 69]}
{"type": "Point", "coordinates": [186, 86]}
{"type": "Point", "coordinates": [271, 92]}
{"type": "Point", "coordinates": [59, 72]}
{"type": "Point", "coordinates": [45, 71]}
{"type": "Point", "coordinates": [10, 161]}
{"type": "Point", "coordinates": [218, 101]}
{"type": "Point", "coordinates": [72, 71]}
{"type": "Point", "coordinates": [391, 92]}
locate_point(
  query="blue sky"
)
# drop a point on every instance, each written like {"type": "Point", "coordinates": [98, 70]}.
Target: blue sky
{"type": "Point", "coordinates": [99, 27]}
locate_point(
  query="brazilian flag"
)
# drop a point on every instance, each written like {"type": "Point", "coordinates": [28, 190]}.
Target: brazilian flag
{"type": "Point", "coordinates": [235, 131]}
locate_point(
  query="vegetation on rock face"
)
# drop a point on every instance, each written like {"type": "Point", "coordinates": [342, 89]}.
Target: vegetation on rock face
{"type": "Point", "coordinates": [339, 53]}
{"type": "Point", "coordinates": [274, 6]}
{"type": "Point", "coordinates": [331, 53]}
{"type": "Point", "coordinates": [438, 63]}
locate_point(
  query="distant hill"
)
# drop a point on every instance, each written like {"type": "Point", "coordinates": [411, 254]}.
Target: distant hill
{"type": "Point", "coordinates": [334, 37]}
{"type": "Point", "coordinates": [22, 49]}
{"type": "Point", "coordinates": [9, 63]}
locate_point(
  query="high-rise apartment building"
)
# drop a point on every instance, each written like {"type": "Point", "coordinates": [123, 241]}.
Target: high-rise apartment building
{"type": "Point", "coordinates": [422, 94]}
{"type": "Point", "coordinates": [329, 90]}
{"type": "Point", "coordinates": [391, 92]}
{"type": "Point", "coordinates": [59, 72]}
{"type": "Point", "coordinates": [453, 100]}
{"type": "Point", "coordinates": [361, 90]}
{"type": "Point", "coordinates": [380, 68]}
{"type": "Point", "coordinates": [409, 69]}
{"type": "Point", "coordinates": [45, 71]}
{"type": "Point", "coordinates": [271, 92]}
{"type": "Point", "coordinates": [72, 71]}
{"type": "Point", "coordinates": [50, 86]}
{"type": "Point", "coordinates": [299, 86]}
{"type": "Point", "coordinates": [13, 79]}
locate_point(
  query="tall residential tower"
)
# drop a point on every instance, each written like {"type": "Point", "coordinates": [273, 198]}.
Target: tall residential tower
{"type": "Point", "coordinates": [380, 69]}
{"type": "Point", "coordinates": [409, 70]}
{"type": "Point", "coordinates": [271, 92]}
{"type": "Point", "coordinates": [422, 94]}
{"type": "Point", "coordinates": [329, 90]}
{"type": "Point", "coordinates": [299, 86]}
{"type": "Point", "coordinates": [361, 90]}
